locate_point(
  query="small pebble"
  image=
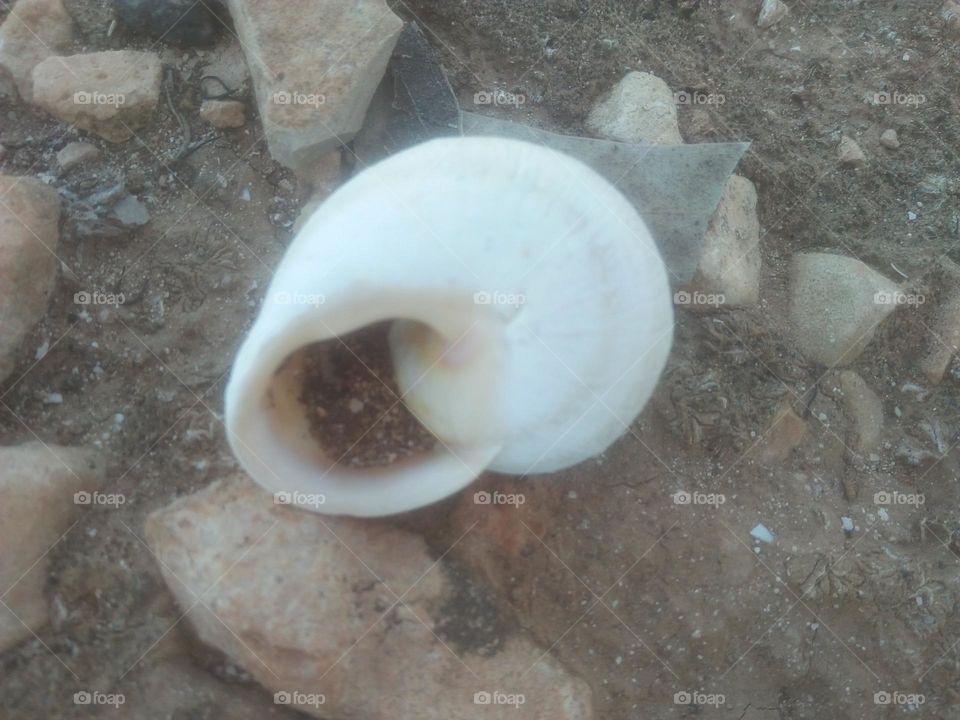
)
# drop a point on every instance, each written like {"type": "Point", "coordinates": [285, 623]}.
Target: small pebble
{"type": "Point", "coordinates": [850, 153]}
{"type": "Point", "coordinates": [889, 139]}
{"type": "Point", "coordinates": [761, 533]}
{"type": "Point", "coordinates": [771, 12]}
{"type": "Point", "coordinates": [130, 211]}
{"type": "Point", "coordinates": [76, 153]}
{"type": "Point", "coordinates": [224, 113]}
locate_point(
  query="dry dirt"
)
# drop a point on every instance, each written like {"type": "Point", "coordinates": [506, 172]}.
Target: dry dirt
{"type": "Point", "coordinates": [641, 596]}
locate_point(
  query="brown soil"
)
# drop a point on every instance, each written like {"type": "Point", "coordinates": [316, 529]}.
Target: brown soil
{"type": "Point", "coordinates": [353, 404]}
{"type": "Point", "coordinates": [640, 596]}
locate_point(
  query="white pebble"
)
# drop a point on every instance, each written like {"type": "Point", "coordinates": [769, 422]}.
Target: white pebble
{"type": "Point", "coordinates": [761, 533]}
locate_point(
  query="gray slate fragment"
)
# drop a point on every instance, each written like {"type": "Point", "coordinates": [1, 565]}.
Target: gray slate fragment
{"type": "Point", "coordinates": [653, 177]}
{"type": "Point", "coordinates": [130, 211]}
{"type": "Point", "coordinates": [415, 103]}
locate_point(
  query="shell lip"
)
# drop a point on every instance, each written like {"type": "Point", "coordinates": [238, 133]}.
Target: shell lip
{"type": "Point", "coordinates": [317, 484]}
{"type": "Point", "coordinates": [264, 419]}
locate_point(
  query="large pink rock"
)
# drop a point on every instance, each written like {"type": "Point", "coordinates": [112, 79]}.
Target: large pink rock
{"type": "Point", "coordinates": [310, 606]}
{"type": "Point", "coordinates": [29, 235]}
{"type": "Point", "coordinates": [315, 65]}
{"type": "Point", "coordinates": [111, 94]}
{"type": "Point", "coordinates": [33, 31]}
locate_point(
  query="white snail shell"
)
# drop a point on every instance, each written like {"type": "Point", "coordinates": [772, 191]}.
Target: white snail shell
{"type": "Point", "coordinates": [533, 319]}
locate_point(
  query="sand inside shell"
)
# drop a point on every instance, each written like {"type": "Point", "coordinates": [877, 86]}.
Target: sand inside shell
{"type": "Point", "coordinates": [352, 403]}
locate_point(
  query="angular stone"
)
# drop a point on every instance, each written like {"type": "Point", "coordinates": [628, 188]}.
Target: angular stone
{"type": "Point", "coordinates": [730, 264]}
{"type": "Point", "coordinates": [224, 113]}
{"type": "Point", "coordinates": [850, 153]}
{"type": "Point", "coordinates": [111, 94]}
{"type": "Point", "coordinates": [37, 505]}
{"type": "Point", "coordinates": [771, 12]}
{"type": "Point", "coordinates": [77, 153]}
{"type": "Point", "coordinates": [641, 108]}
{"type": "Point", "coordinates": [315, 65]}
{"type": "Point", "coordinates": [29, 235]}
{"type": "Point", "coordinates": [836, 303]}
{"type": "Point", "coordinates": [889, 139]}
{"type": "Point", "coordinates": [33, 31]}
{"type": "Point", "coordinates": [308, 604]}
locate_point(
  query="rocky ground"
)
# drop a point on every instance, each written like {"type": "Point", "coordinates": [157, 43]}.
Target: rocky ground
{"type": "Point", "coordinates": [775, 536]}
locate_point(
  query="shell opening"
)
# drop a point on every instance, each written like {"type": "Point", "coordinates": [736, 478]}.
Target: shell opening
{"type": "Point", "coordinates": [337, 403]}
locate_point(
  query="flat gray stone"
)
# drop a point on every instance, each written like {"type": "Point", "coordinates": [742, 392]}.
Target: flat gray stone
{"type": "Point", "coordinates": [652, 177]}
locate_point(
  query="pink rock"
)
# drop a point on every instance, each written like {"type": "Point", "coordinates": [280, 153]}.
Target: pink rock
{"type": "Point", "coordinates": [111, 94]}
{"type": "Point", "coordinates": [33, 31]}
{"type": "Point", "coordinates": [315, 65]}
{"type": "Point", "coordinates": [348, 619]}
